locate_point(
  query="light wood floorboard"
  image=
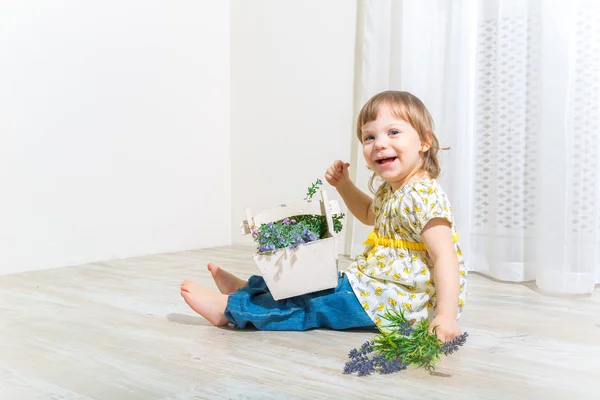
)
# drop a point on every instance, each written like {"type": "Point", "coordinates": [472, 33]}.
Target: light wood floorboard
{"type": "Point", "coordinates": [120, 330]}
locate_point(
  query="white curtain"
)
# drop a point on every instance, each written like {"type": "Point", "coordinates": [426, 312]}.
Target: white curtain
{"type": "Point", "coordinates": [513, 86]}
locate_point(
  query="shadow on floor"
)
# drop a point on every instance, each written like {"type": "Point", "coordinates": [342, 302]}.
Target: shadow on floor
{"type": "Point", "coordinates": [184, 319]}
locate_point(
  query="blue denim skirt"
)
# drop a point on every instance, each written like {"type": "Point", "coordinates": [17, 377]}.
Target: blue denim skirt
{"type": "Point", "coordinates": [338, 308]}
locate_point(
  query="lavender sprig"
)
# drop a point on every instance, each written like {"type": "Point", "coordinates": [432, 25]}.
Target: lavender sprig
{"type": "Point", "coordinates": [453, 345]}
{"type": "Point", "coordinates": [391, 366]}
{"type": "Point", "coordinates": [363, 365]}
{"type": "Point", "coordinates": [405, 328]}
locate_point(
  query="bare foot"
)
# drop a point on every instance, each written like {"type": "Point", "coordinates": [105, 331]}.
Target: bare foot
{"type": "Point", "coordinates": [211, 305]}
{"type": "Point", "coordinates": [226, 282]}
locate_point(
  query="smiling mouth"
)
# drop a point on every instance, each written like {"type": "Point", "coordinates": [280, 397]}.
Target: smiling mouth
{"type": "Point", "coordinates": [385, 161]}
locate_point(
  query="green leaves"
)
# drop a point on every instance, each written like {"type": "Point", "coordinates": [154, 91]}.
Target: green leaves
{"type": "Point", "coordinates": [313, 189]}
{"type": "Point", "coordinates": [337, 222]}
{"type": "Point", "coordinates": [413, 344]}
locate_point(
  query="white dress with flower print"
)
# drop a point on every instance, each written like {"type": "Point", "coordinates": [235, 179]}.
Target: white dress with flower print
{"type": "Point", "coordinates": [397, 277]}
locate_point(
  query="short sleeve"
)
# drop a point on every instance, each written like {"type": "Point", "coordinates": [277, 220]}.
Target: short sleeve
{"type": "Point", "coordinates": [423, 203]}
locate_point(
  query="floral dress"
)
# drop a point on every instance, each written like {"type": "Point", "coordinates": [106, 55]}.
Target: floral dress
{"type": "Point", "coordinates": [395, 270]}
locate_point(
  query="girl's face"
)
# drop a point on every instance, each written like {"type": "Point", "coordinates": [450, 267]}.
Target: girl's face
{"type": "Point", "coordinates": [392, 148]}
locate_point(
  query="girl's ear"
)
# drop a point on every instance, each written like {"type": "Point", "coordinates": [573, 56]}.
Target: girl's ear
{"type": "Point", "coordinates": [426, 144]}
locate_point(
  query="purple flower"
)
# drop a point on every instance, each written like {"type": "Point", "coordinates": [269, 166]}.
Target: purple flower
{"type": "Point", "coordinates": [367, 347]}
{"type": "Point", "coordinates": [293, 221]}
{"type": "Point", "coordinates": [363, 365]}
{"type": "Point", "coordinates": [452, 346]}
{"type": "Point", "coordinates": [286, 221]}
{"type": "Point", "coordinates": [254, 231]}
{"type": "Point", "coordinates": [366, 366]}
{"type": "Point", "coordinates": [320, 182]}
{"type": "Point", "coordinates": [405, 328]}
{"type": "Point", "coordinates": [263, 240]}
{"type": "Point", "coordinates": [390, 366]}
{"type": "Point", "coordinates": [298, 241]}
{"type": "Point", "coordinates": [267, 234]}
{"type": "Point", "coordinates": [267, 247]}
{"type": "Point", "coordinates": [308, 235]}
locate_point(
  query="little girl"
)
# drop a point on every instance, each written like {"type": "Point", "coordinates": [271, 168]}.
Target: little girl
{"type": "Point", "coordinates": [412, 261]}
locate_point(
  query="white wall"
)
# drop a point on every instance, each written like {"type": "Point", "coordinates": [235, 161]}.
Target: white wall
{"type": "Point", "coordinates": [292, 80]}
{"type": "Point", "coordinates": [114, 130]}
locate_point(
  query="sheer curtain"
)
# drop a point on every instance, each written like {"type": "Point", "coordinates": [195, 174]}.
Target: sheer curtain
{"type": "Point", "coordinates": [513, 86]}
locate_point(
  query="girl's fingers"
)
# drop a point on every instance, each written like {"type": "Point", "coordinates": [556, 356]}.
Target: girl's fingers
{"type": "Point", "coordinates": [333, 179]}
{"type": "Point", "coordinates": [337, 171]}
{"type": "Point", "coordinates": [336, 174]}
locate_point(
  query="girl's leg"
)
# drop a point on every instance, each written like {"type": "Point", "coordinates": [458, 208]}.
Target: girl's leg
{"type": "Point", "coordinates": [211, 305]}
{"type": "Point", "coordinates": [207, 303]}
{"type": "Point", "coordinates": [336, 308]}
{"type": "Point", "coordinates": [226, 282]}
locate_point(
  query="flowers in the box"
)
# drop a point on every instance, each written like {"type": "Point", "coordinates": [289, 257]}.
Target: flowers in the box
{"type": "Point", "coordinates": [290, 232]}
{"type": "Point", "coordinates": [294, 231]}
{"type": "Point", "coordinates": [398, 345]}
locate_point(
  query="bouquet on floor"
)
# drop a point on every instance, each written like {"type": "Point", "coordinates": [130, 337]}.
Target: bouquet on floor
{"type": "Point", "coordinates": [398, 345]}
{"type": "Point", "coordinates": [294, 231]}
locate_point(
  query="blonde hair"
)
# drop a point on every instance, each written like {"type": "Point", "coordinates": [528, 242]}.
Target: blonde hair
{"type": "Point", "coordinates": [411, 109]}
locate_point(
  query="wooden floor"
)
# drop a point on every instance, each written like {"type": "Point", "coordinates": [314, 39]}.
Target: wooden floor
{"type": "Point", "coordinates": [120, 330]}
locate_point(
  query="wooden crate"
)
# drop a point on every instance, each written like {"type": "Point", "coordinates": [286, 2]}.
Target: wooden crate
{"type": "Point", "coordinates": [308, 268]}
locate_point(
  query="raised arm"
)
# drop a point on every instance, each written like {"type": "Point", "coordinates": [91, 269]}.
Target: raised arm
{"type": "Point", "coordinates": [357, 201]}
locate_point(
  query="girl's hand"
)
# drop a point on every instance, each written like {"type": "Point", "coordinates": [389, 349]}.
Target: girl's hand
{"type": "Point", "coordinates": [446, 327]}
{"type": "Point", "coordinates": [337, 174]}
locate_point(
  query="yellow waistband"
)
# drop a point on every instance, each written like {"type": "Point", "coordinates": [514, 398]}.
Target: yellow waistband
{"type": "Point", "coordinates": [375, 240]}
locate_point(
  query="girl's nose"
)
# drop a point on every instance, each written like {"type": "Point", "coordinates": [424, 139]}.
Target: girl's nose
{"type": "Point", "coordinates": [381, 143]}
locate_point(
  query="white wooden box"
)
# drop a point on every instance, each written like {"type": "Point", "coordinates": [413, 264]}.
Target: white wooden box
{"type": "Point", "coordinates": [308, 268]}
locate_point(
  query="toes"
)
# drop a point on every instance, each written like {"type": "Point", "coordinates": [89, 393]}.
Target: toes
{"type": "Point", "coordinates": [212, 267]}
{"type": "Point", "coordinates": [185, 286]}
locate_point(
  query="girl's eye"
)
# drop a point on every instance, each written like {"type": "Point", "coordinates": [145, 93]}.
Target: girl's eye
{"type": "Point", "coordinates": [394, 132]}
{"type": "Point", "coordinates": [368, 138]}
